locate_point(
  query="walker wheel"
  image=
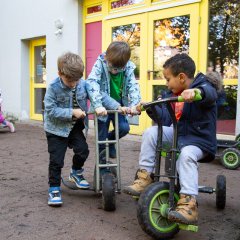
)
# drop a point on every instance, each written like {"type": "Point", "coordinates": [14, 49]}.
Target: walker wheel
{"type": "Point", "coordinates": [108, 192]}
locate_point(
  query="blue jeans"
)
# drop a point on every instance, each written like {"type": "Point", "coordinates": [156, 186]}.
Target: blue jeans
{"type": "Point", "coordinates": [103, 128]}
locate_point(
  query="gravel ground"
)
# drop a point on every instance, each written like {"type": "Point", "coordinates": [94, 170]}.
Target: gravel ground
{"type": "Point", "coordinates": [23, 198]}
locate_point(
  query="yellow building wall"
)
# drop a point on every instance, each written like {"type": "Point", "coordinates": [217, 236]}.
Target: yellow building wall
{"type": "Point", "coordinates": [145, 13]}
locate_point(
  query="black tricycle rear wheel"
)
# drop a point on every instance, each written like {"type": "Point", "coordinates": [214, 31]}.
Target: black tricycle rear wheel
{"type": "Point", "coordinates": [221, 192]}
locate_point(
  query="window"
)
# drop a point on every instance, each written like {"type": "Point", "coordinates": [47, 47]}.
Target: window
{"type": "Point", "coordinates": [223, 47]}
{"type": "Point", "coordinates": [223, 54]}
{"type": "Point", "coordinates": [123, 3]}
{"type": "Point", "coordinates": [131, 34]}
{"type": "Point", "coordinates": [94, 9]}
{"type": "Point", "coordinates": [40, 64]}
{"type": "Point", "coordinates": [171, 36]}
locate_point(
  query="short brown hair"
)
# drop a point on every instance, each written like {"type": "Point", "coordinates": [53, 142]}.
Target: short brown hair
{"type": "Point", "coordinates": [118, 53]}
{"type": "Point", "coordinates": [71, 66]}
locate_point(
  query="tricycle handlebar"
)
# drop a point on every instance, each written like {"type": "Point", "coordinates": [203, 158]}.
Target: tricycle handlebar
{"type": "Point", "coordinates": [197, 97]}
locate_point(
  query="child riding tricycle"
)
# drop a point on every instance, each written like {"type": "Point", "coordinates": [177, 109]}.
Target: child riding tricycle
{"type": "Point", "coordinates": [184, 135]}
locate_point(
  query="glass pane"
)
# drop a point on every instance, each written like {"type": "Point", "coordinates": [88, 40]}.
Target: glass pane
{"type": "Point", "coordinates": [122, 3]}
{"type": "Point", "coordinates": [226, 103]}
{"type": "Point", "coordinates": [39, 96]}
{"type": "Point", "coordinates": [131, 34]}
{"type": "Point", "coordinates": [159, 91]}
{"type": "Point", "coordinates": [40, 64]}
{"type": "Point", "coordinates": [223, 47]}
{"type": "Point", "coordinates": [94, 9]}
{"type": "Point", "coordinates": [171, 36]}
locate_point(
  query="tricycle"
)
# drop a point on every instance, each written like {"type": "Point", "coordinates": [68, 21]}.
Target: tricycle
{"type": "Point", "coordinates": [160, 197]}
{"type": "Point", "coordinates": [228, 152]}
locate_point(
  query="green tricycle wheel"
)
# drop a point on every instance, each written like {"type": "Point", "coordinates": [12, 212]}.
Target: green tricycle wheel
{"type": "Point", "coordinates": [230, 158]}
{"type": "Point", "coordinates": [152, 211]}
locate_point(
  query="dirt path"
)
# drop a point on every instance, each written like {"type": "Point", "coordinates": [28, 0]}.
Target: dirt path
{"type": "Point", "coordinates": [23, 197]}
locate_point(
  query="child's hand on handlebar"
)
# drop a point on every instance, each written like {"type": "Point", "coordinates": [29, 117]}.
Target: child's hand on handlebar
{"type": "Point", "coordinates": [139, 107]}
{"type": "Point", "coordinates": [78, 113]}
{"type": "Point", "coordinates": [124, 110]}
{"type": "Point", "coordinates": [135, 110]}
{"type": "Point", "coordinates": [101, 111]}
{"type": "Point", "coordinates": [189, 94]}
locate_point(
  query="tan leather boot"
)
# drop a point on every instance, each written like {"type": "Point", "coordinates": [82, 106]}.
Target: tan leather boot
{"type": "Point", "coordinates": [142, 181]}
{"type": "Point", "coordinates": [186, 211]}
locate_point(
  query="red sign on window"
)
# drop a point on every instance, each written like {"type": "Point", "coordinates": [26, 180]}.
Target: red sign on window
{"type": "Point", "coordinates": [94, 9]}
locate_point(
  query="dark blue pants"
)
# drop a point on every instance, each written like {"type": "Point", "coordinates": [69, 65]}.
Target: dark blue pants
{"type": "Point", "coordinates": [57, 147]}
{"type": "Point", "coordinates": [103, 129]}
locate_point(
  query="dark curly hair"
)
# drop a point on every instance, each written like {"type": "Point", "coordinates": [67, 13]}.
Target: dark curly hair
{"type": "Point", "coordinates": [181, 63]}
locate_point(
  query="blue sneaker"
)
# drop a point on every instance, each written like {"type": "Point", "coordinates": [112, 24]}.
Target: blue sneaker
{"type": "Point", "coordinates": [54, 196]}
{"type": "Point", "coordinates": [77, 177]}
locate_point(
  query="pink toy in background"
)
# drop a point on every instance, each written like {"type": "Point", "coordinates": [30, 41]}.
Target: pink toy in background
{"type": "Point", "coordinates": [3, 121]}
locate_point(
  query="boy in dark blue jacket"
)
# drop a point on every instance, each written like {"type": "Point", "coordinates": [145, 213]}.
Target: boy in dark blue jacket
{"type": "Point", "coordinates": [196, 135]}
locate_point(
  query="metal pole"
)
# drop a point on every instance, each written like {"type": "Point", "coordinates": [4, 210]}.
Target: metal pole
{"type": "Point", "coordinates": [117, 152]}
{"type": "Point", "coordinates": [237, 129]}
{"type": "Point", "coordinates": [97, 154]}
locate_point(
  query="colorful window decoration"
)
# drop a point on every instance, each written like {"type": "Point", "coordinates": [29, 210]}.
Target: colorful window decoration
{"type": "Point", "coordinates": [94, 9]}
{"type": "Point", "coordinates": [123, 3]}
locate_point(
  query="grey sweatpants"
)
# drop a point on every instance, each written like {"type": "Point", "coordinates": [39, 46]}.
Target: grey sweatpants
{"type": "Point", "coordinates": [187, 163]}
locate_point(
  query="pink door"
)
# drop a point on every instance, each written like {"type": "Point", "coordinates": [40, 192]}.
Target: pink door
{"type": "Point", "coordinates": [93, 45]}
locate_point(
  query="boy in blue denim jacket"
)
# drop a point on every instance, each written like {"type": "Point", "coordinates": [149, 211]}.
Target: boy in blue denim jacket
{"type": "Point", "coordinates": [64, 120]}
{"type": "Point", "coordinates": [113, 75]}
